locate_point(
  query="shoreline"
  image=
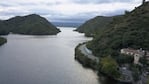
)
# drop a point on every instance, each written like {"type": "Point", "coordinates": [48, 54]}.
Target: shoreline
{"type": "Point", "coordinates": [85, 61]}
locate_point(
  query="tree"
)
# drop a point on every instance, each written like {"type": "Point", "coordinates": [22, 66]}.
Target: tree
{"type": "Point", "coordinates": [126, 12]}
{"type": "Point", "coordinates": [143, 2]}
{"type": "Point", "coordinates": [148, 80]}
{"type": "Point", "coordinates": [2, 41]}
{"type": "Point", "coordinates": [110, 67]}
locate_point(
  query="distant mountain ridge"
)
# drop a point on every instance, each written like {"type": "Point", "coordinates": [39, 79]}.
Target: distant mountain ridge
{"type": "Point", "coordinates": [67, 24]}
{"type": "Point", "coordinates": [30, 25]}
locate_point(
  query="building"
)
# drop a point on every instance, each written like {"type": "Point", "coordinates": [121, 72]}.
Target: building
{"type": "Point", "coordinates": [147, 55]}
{"type": "Point", "coordinates": [132, 52]}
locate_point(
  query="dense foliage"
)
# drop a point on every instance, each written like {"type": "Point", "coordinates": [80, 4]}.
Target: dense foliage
{"type": "Point", "coordinates": [84, 60]}
{"type": "Point", "coordinates": [130, 30]}
{"type": "Point", "coordinates": [32, 25]}
{"type": "Point", "coordinates": [91, 27]}
{"type": "Point", "coordinates": [109, 66]}
{"type": "Point", "coordinates": [2, 41]}
{"type": "Point", "coordinates": [124, 31]}
{"type": "Point", "coordinates": [148, 80]}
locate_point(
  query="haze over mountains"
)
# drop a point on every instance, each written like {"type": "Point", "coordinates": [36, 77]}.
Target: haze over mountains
{"type": "Point", "coordinates": [67, 24]}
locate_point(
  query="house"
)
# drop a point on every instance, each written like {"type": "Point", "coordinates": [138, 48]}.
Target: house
{"type": "Point", "coordinates": [132, 52]}
{"type": "Point", "coordinates": [147, 55]}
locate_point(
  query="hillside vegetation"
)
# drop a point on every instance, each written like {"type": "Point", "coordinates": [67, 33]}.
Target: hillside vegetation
{"type": "Point", "coordinates": [31, 25]}
{"type": "Point", "coordinates": [130, 30]}
{"type": "Point", "coordinates": [2, 41]}
{"type": "Point", "coordinates": [91, 26]}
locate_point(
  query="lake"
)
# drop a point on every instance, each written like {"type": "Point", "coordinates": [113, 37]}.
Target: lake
{"type": "Point", "coordinates": [44, 60]}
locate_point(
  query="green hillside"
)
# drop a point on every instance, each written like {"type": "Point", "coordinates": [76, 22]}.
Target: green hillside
{"type": "Point", "coordinates": [31, 25]}
{"type": "Point", "coordinates": [91, 26]}
{"type": "Point", "coordinates": [130, 30]}
{"type": "Point", "coordinates": [2, 41]}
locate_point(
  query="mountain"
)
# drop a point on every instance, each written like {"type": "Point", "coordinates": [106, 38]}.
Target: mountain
{"type": "Point", "coordinates": [30, 25]}
{"type": "Point", "coordinates": [128, 31]}
{"type": "Point", "coordinates": [67, 24]}
{"type": "Point", "coordinates": [91, 26]}
{"type": "Point", "coordinates": [2, 41]}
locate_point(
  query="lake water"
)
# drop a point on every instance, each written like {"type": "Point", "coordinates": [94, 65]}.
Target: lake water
{"type": "Point", "coordinates": [44, 60]}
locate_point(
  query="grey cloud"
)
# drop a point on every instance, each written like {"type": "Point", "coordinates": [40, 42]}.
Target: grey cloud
{"type": "Point", "coordinates": [76, 20]}
{"type": "Point", "coordinates": [4, 4]}
{"type": "Point", "coordinates": [49, 4]}
{"type": "Point", "coordinates": [57, 17]}
{"type": "Point", "coordinates": [116, 12]}
{"type": "Point", "coordinates": [100, 1]}
{"type": "Point", "coordinates": [40, 11]}
{"type": "Point", "coordinates": [27, 4]}
{"type": "Point", "coordinates": [82, 17]}
{"type": "Point", "coordinates": [34, 7]}
{"type": "Point", "coordinates": [39, 3]}
{"type": "Point", "coordinates": [13, 13]}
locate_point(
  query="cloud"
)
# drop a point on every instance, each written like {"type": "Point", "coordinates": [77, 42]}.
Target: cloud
{"type": "Point", "coordinates": [58, 10]}
{"type": "Point", "coordinates": [101, 1]}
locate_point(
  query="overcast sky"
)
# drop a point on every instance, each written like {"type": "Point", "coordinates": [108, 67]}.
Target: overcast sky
{"type": "Point", "coordinates": [66, 10]}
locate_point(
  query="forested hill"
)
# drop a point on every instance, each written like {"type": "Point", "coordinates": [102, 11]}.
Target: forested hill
{"type": "Point", "coordinates": [2, 41]}
{"type": "Point", "coordinates": [30, 25]}
{"type": "Point", "coordinates": [91, 26]}
{"type": "Point", "coordinates": [130, 30]}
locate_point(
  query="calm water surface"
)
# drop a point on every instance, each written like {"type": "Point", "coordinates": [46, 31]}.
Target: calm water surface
{"type": "Point", "coordinates": [44, 60]}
